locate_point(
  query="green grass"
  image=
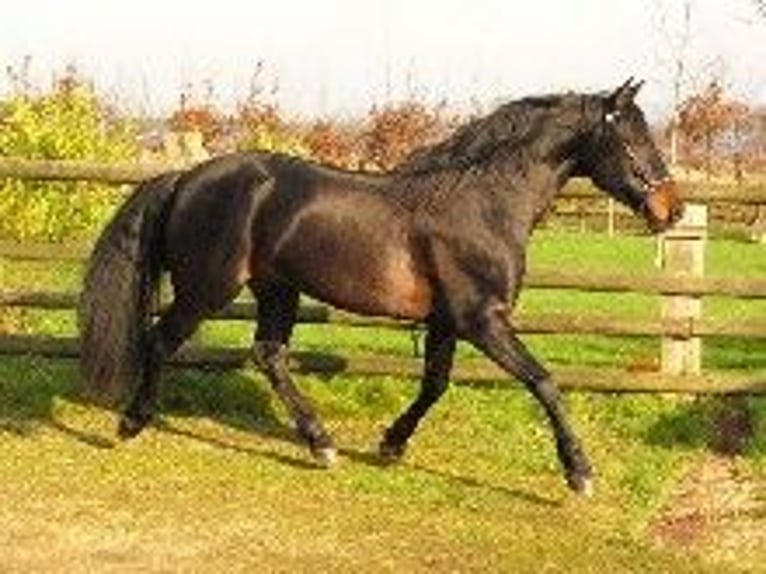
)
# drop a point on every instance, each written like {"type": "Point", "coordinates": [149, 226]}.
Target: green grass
{"type": "Point", "coordinates": [220, 484]}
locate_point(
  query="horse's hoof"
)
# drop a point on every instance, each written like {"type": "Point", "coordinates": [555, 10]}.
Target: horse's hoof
{"type": "Point", "coordinates": [391, 453]}
{"type": "Point", "coordinates": [581, 485]}
{"type": "Point", "coordinates": [130, 428]}
{"type": "Point", "coordinates": [326, 456]}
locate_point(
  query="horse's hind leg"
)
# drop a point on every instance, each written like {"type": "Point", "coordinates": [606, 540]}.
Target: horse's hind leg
{"type": "Point", "coordinates": [277, 310]}
{"type": "Point", "coordinates": [174, 326]}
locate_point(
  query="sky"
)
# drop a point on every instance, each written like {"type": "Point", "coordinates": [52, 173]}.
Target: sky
{"type": "Point", "coordinates": [340, 57]}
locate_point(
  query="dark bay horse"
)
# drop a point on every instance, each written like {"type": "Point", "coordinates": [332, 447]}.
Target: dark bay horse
{"type": "Point", "coordinates": [439, 240]}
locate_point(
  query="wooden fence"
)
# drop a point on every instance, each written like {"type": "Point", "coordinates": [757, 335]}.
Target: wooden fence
{"type": "Point", "coordinates": [681, 284]}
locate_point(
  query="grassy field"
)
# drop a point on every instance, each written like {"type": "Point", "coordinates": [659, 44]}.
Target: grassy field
{"type": "Point", "coordinates": [218, 484]}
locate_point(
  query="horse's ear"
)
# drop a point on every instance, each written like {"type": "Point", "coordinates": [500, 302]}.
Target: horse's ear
{"type": "Point", "coordinates": [624, 95]}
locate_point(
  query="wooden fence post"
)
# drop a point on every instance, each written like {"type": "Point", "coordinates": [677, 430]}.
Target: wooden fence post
{"type": "Point", "coordinates": [683, 256]}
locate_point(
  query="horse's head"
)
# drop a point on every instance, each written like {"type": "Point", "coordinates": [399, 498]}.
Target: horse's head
{"type": "Point", "coordinates": [620, 157]}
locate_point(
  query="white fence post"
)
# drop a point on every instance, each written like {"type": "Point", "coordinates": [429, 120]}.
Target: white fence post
{"type": "Point", "coordinates": [683, 256]}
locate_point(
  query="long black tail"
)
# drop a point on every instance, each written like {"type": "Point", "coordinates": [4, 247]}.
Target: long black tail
{"type": "Point", "coordinates": [121, 280]}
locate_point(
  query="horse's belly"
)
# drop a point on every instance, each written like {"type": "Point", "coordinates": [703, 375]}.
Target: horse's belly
{"type": "Point", "coordinates": [367, 266]}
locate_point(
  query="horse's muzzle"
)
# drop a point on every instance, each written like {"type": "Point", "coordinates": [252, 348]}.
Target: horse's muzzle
{"type": "Point", "coordinates": [663, 206]}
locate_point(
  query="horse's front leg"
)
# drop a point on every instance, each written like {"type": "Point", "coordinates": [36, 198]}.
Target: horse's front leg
{"type": "Point", "coordinates": [492, 333]}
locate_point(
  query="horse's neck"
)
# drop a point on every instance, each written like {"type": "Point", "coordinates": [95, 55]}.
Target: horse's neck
{"type": "Point", "coordinates": [532, 186]}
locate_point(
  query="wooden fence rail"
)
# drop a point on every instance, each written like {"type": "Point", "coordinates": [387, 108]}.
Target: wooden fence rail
{"type": "Point", "coordinates": [467, 370]}
{"type": "Point", "coordinates": [118, 173]}
{"type": "Point", "coordinates": [78, 170]}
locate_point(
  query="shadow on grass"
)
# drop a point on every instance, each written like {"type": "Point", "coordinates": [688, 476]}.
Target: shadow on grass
{"type": "Point", "coordinates": [31, 386]}
{"type": "Point", "coordinates": [374, 460]}
{"type": "Point", "coordinates": [234, 398]}
{"type": "Point", "coordinates": [240, 400]}
{"type": "Point", "coordinates": [85, 437]}
{"type": "Point", "coordinates": [28, 389]}
{"type": "Point", "coordinates": [295, 462]}
{"type": "Point", "coordinates": [723, 424]}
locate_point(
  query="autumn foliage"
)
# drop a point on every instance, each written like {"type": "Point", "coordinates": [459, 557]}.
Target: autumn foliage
{"type": "Point", "coordinates": [378, 141]}
{"type": "Point", "coordinates": [333, 143]}
{"type": "Point", "coordinates": [716, 131]}
{"type": "Point", "coordinates": [713, 126]}
{"type": "Point", "coordinates": [201, 118]}
{"type": "Point", "coordinates": [395, 131]}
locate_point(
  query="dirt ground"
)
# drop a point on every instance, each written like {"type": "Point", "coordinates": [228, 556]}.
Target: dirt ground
{"type": "Point", "coordinates": [718, 508]}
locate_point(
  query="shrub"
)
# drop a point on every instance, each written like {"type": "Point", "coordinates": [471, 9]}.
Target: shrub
{"type": "Point", "coordinates": [68, 121]}
{"type": "Point", "coordinates": [396, 130]}
{"type": "Point", "coordinates": [263, 128]}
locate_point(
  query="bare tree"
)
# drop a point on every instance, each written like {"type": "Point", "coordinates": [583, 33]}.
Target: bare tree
{"type": "Point", "coordinates": [677, 41]}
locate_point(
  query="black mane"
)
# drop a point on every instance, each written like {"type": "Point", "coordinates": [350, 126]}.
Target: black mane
{"type": "Point", "coordinates": [512, 125]}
